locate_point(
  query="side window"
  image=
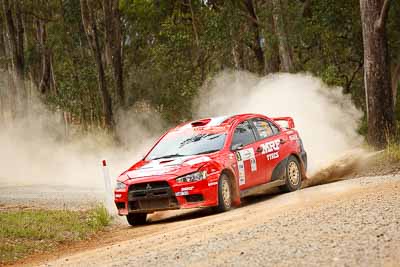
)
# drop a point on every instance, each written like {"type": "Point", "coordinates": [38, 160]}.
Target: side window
{"type": "Point", "coordinates": [243, 134]}
{"type": "Point", "coordinates": [263, 127]}
{"type": "Point", "coordinates": [275, 129]}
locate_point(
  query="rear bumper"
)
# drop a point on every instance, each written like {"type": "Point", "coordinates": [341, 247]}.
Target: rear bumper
{"type": "Point", "coordinates": [148, 197]}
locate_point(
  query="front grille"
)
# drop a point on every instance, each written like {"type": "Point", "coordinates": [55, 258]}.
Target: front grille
{"type": "Point", "coordinates": [151, 196]}
{"type": "Point", "coordinates": [154, 185]}
{"type": "Point", "coordinates": [149, 190]}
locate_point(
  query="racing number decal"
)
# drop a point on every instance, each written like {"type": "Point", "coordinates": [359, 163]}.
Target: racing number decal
{"type": "Point", "coordinates": [242, 156]}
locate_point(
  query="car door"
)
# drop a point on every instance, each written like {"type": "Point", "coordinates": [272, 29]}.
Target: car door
{"type": "Point", "coordinates": [270, 142]}
{"type": "Point", "coordinates": [243, 144]}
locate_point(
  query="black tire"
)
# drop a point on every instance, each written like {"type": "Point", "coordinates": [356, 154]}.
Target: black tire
{"type": "Point", "coordinates": [224, 194]}
{"type": "Point", "coordinates": [292, 175]}
{"type": "Point", "coordinates": [136, 218]}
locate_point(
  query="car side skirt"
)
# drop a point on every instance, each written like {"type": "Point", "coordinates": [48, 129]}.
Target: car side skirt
{"type": "Point", "coordinates": [262, 187]}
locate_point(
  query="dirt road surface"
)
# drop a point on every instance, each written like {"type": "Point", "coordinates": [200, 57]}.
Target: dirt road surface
{"type": "Point", "coordinates": [349, 223]}
{"type": "Point", "coordinates": [49, 197]}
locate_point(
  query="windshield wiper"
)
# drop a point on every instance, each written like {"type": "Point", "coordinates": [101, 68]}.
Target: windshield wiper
{"type": "Point", "coordinates": [169, 156]}
{"type": "Point", "coordinates": [207, 151]}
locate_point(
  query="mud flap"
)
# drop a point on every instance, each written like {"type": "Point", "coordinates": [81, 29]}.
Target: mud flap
{"type": "Point", "coordinates": [279, 171]}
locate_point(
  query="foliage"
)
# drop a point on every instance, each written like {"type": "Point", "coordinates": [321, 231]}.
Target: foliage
{"type": "Point", "coordinates": [170, 48]}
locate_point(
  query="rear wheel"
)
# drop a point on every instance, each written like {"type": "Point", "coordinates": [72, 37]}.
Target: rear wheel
{"type": "Point", "coordinates": [136, 218]}
{"type": "Point", "coordinates": [224, 193]}
{"type": "Point", "coordinates": [293, 175]}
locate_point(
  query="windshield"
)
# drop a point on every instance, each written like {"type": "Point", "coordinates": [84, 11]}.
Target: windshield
{"type": "Point", "coordinates": [186, 144]}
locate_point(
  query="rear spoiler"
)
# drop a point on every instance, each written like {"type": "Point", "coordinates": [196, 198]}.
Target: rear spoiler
{"type": "Point", "coordinates": [285, 122]}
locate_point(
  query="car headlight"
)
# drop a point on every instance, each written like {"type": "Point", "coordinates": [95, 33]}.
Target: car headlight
{"type": "Point", "coordinates": [193, 177]}
{"type": "Point", "coordinates": [120, 186]}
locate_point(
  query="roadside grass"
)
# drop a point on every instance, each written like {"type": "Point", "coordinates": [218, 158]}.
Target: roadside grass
{"type": "Point", "coordinates": [385, 162]}
{"type": "Point", "coordinates": [24, 232]}
{"type": "Point", "coordinates": [392, 152]}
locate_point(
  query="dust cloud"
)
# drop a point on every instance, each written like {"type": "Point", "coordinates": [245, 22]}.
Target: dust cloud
{"type": "Point", "coordinates": [326, 119]}
{"type": "Point", "coordinates": [34, 152]}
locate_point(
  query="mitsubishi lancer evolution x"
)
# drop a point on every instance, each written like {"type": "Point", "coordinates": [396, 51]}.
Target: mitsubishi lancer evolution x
{"type": "Point", "coordinates": [212, 162]}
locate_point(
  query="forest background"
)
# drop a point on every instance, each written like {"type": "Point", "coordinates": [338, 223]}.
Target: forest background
{"type": "Point", "coordinates": [89, 59]}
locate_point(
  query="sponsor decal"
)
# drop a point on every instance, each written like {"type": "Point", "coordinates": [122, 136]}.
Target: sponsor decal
{"type": "Point", "coordinates": [253, 164]}
{"type": "Point", "coordinates": [184, 193]}
{"type": "Point", "coordinates": [242, 156]}
{"type": "Point", "coordinates": [187, 188]}
{"type": "Point", "coordinates": [273, 156]}
{"type": "Point", "coordinates": [212, 183]}
{"type": "Point", "coordinates": [271, 146]}
{"type": "Point", "coordinates": [246, 154]}
{"type": "Point", "coordinates": [271, 149]}
{"type": "Point", "coordinates": [242, 175]}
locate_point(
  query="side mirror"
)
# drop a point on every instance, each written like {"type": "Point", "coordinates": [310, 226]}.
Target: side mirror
{"type": "Point", "coordinates": [237, 147]}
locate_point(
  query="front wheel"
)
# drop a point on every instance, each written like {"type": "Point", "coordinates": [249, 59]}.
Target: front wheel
{"type": "Point", "coordinates": [224, 193]}
{"type": "Point", "coordinates": [136, 218]}
{"type": "Point", "coordinates": [293, 175]}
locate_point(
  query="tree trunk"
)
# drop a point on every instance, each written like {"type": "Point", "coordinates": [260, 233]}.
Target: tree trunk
{"type": "Point", "coordinates": [377, 81]}
{"type": "Point", "coordinates": [4, 92]}
{"type": "Point", "coordinates": [285, 50]}
{"type": "Point", "coordinates": [395, 81]}
{"type": "Point", "coordinates": [112, 22]}
{"type": "Point", "coordinates": [237, 55]}
{"type": "Point", "coordinates": [46, 84]}
{"type": "Point", "coordinates": [273, 60]}
{"type": "Point", "coordinates": [237, 46]}
{"type": "Point", "coordinates": [2, 110]}
{"type": "Point", "coordinates": [10, 90]}
{"type": "Point", "coordinates": [306, 10]}
{"type": "Point", "coordinates": [256, 46]}
{"type": "Point", "coordinates": [198, 56]}
{"type": "Point", "coordinates": [15, 32]}
{"type": "Point", "coordinates": [90, 26]}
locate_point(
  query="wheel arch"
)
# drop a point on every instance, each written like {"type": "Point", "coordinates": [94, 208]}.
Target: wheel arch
{"type": "Point", "coordinates": [302, 166]}
{"type": "Point", "coordinates": [234, 184]}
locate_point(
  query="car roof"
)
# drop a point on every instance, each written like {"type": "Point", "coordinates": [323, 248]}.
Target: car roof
{"type": "Point", "coordinates": [221, 123]}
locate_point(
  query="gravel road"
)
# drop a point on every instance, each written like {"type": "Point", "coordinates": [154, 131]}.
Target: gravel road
{"type": "Point", "coordinates": [49, 197]}
{"type": "Point", "coordinates": [349, 223]}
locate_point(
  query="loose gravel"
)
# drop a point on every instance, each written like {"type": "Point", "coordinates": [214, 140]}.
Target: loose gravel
{"type": "Point", "coordinates": [349, 223]}
{"type": "Point", "coordinates": [49, 197]}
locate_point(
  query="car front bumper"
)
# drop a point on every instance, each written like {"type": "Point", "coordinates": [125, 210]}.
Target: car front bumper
{"type": "Point", "coordinates": [157, 195]}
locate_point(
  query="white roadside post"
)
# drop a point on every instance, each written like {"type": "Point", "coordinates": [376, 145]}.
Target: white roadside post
{"type": "Point", "coordinates": [108, 189]}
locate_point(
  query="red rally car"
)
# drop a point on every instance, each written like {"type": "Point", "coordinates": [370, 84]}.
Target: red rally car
{"type": "Point", "coordinates": [212, 162]}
